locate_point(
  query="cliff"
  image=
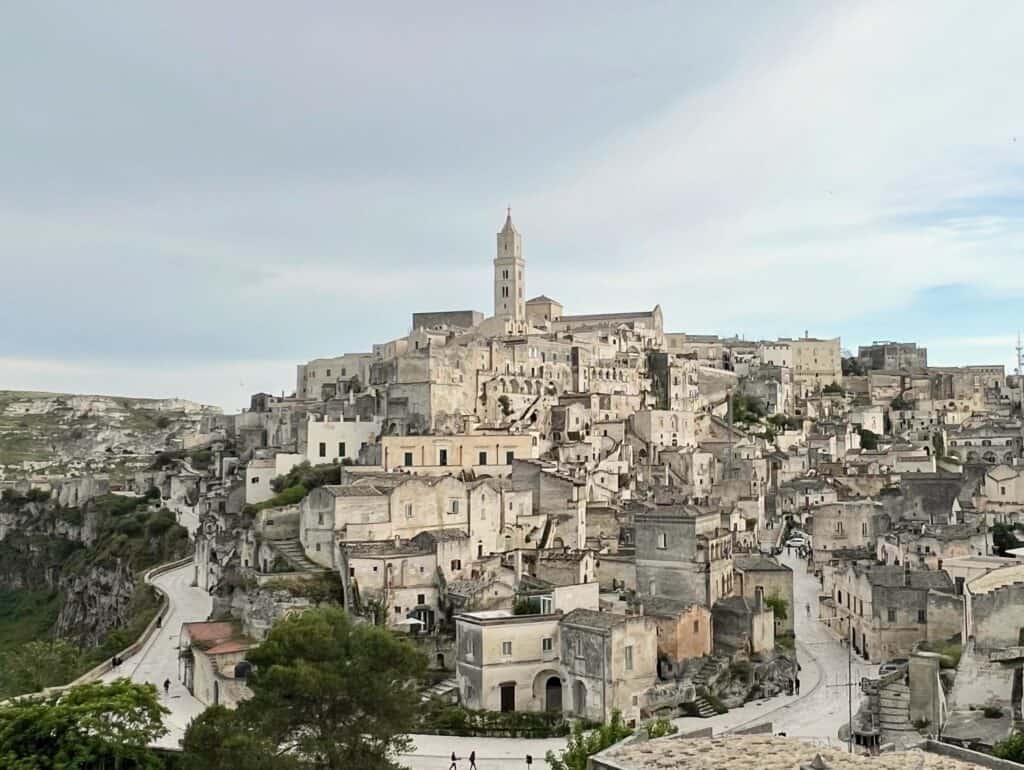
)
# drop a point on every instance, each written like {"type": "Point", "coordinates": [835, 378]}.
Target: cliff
{"type": "Point", "coordinates": [90, 557]}
{"type": "Point", "coordinates": [61, 434]}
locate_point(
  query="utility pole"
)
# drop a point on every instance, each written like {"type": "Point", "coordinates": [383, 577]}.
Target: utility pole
{"type": "Point", "coordinates": [849, 682]}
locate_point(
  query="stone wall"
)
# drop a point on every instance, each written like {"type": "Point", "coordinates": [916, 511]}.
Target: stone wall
{"type": "Point", "coordinates": [998, 617]}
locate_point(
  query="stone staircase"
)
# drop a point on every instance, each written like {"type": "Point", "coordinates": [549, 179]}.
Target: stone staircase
{"type": "Point", "coordinates": [445, 690]}
{"type": "Point", "coordinates": [705, 673]}
{"type": "Point", "coordinates": [704, 709]}
{"type": "Point", "coordinates": [292, 552]}
{"type": "Point", "coordinates": [894, 708]}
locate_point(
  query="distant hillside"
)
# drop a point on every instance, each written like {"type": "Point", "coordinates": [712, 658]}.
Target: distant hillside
{"type": "Point", "coordinates": [54, 433]}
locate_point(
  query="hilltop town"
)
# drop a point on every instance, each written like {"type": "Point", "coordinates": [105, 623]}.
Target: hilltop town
{"type": "Point", "coordinates": [583, 514]}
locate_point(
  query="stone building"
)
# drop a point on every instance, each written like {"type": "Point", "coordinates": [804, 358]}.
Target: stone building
{"type": "Point", "coordinates": [754, 571]}
{"type": "Point", "coordinates": [684, 629]}
{"type": "Point", "coordinates": [892, 356]}
{"type": "Point", "coordinates": [742, 626]}
{"type": "Point", "coordinates": [682, 553]}
{"type": "Point", "coordinates": [509, 274]}
{"type": "Point", "coordinates": [608, 661]}
{"type": "Point", "coordinates": [213, 667]}
{"type": "Point", "coordinates": [890, 608]}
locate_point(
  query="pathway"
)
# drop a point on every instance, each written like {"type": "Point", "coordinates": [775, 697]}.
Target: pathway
{"type": "Point", "coordinates": [158, 659]}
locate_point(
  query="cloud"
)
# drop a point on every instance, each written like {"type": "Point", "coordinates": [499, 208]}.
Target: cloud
{"type": "Point", "coordinates": [190, 196]}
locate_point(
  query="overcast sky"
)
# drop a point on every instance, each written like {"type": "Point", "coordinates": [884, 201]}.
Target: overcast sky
{"type": "Point", "coordinates": [196, 196]}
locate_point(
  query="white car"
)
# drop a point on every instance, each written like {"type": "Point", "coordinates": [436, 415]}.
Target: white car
{"type": "Point", "coordinates": [796, 542]}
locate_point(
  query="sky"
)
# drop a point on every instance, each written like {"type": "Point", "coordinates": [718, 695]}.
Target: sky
{"type": "Point", "coordinates": [195, 197]}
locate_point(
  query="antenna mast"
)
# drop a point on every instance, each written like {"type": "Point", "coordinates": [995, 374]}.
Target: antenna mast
{"type": "Point", "coordinates": [1020, 357]}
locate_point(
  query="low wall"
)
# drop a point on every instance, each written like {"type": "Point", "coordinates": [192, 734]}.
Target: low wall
{"type": "Point", "coordinates": [98, 671]}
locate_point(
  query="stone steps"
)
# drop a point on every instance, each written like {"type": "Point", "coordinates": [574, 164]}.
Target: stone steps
{"type": "Point", "coordinates": [704, 709]}
{"type": "Point", "coordinates": [440, 690]}
{"type": "Point", "coordinates": [294, 554]}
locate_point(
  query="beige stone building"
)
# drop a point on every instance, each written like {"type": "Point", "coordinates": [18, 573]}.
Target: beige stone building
{"type": "Point", "coordinates": [213, 666]}
{"type": "Point", "coordinates": [433, 454]}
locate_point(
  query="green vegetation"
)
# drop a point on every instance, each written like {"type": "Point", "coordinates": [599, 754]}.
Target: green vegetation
{"type": "Point", "coordinates": [746, 409]}
{"type": "Point", "coordinates": [835, 388]}
{"type": "Point", "coordinates": [781, 422]}
{"type": "Point", "coordinates": [852, 367]}
{"type": "Point", "coordinates": [584, 744]}
{"type": "Point", "coordinates": [526, 606]}
{"type": "Point", "coordinates": [868, 439]}
{"type": "Point", "coordinates": [1012, 748]}
{"type": "Point", "coordinates": [659, 728]}
{"type": "Point", "coordinates": [992, 712]}
{"type": "Point", "coordinates": [309, 476]}
{"type": "Point", "coordinates": [337, 693]}
{"type": "Point", "coordinates": [219, 740]}
{"type": "Point", "coordinates": [779, 606]}
{"type": "Point", "coordinates": [1004, 539]}
{"type": "Point", "coordinates": [900, 404]}
{"type": "Point", "coordinates": [950, 652]}
{"type": "Point", "coordinates": [92, 726]}
{"type": "Point", "coordinates": [290, 496]}
{"type": "Point", "coordinates": [325, 588]}
{"type": "Point", "coordinates": [36, 665]}
{"type": "Point", "coordinates": [443, 719]}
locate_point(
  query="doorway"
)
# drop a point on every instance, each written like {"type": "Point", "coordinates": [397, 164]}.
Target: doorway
{"type": "Point", "coordinates": [553, 694]}
{"type": "Point", "coordinates": [508, 697]}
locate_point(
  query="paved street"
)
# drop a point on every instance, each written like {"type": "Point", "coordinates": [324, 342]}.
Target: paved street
{"type": "Point", "coordinates": [816, 714]}
{"type": "Point", "coordinates": [158, 660]}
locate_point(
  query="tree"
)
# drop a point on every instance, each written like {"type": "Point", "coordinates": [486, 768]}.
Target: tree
{"type": "Point", "coordinates": [868, 439]}
{"type": "Point", "coordinates": [219, 739]}
{"type": "Point", "coordinates": [35, 666]}
{"type": "Point", "coordinates": [1003, 539]}
{"type": "Point", "coordinates": [779, 606]}
{"type": "Point", "coordinates": [899, 404]}
{"type": "Point", "coordinates": [336, 693]}
{"type": "Point", "coordinates": [583, 744]}
{"type": "Point", "coordinates": [92, 726]}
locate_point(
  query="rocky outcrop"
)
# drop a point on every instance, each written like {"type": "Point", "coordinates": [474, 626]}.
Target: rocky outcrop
{"type": "Point", "coordinates": [96, 602]}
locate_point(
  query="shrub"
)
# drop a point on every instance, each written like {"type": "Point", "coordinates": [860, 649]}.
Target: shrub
{"type": "Point", "coordinates": [526, 606]}
{"type": "Point", "coordinates": [1012, 748]}
{"type": "Point", "coordinates": [659, 728]}
{"type": "Point", "coordinates": [992, 712]}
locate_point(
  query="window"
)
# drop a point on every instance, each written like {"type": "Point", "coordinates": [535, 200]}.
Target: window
{"type": "Point", "coordinates": [408, 510]}
{"type": "Point", "coordinates": [320, 518]}
{"type": "Point", "coordinates": [482, 459]}
{"type": "Point", "coordinates": [546, 644]}
{"type": "Point", "coordinates": [629, 657]}
{"type": "Point", "coordinates": [374, 567]}
{"type": "Point", "coordinates": [453, 506]}
{"type": "Point", "coordinates": [864, 528]}
{"type": "Point", "coordinates": [408, 459]}
{"type": "Point", "coordinates": [891, 615]}
{"type": "Point", "coordinates": [318, 547]}
{"type": "Point", "coordinates": [456, 565]}
{"type": "Point", "coordinates": [398, 610]}
{"type": "Point", "coordinates": [341, 449]}
{"type": "Point", "coordinates": [506, 648]}
{"type": "Point", "coordinates": [256, 480]}
{"type": "Point", "coordinates": [922, 616]}
{"type": "Point", "coordinates": [351, 571]}
{"type": "Point", "coordinates": [442, 457]}
{"type": "Point", "coordinates": [662, 540]}
{"type": "Point", "coordinates": [328, 372]}
{"type": "Point", "coordinates": [509, 457]}
{"type": "Point", "coordinates": [323, 449]}
{"type": "Point", "coordinates": [421, 598]}
{"type": "Point", "coordinates": [839, 597]}
{"type": "Point", "coordinates": [696, 626]}
{"type": "Point", "coordinates": [579, 646]}
{"type": "Point", "coordinates": [545, 605]}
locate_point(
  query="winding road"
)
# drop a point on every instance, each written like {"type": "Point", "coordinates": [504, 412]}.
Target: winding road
{"type": "Point", "coordinates": [815, 715]}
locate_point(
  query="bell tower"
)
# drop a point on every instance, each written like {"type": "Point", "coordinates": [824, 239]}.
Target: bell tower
{"type": "Point", "coordinates": [509, 274]}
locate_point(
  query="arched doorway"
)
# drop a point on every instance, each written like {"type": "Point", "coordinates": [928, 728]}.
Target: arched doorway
{"type": "Point", "coordinates": [553, 694]}
{"type": "Point", "coordinates": [579, 697]}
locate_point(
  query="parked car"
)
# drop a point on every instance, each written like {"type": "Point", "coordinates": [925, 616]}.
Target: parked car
{"type": "Point", "coordinates": [896, 664]}
{"type": "Point", "coordinates": [797, 542]}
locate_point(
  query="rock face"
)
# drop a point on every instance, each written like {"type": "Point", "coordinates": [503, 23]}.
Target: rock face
{"type": "Point", "coordinates": [95, 603]}
{"type": "Point", "coordinates": [66, 434]}
{"type": "Point", "coordinates": [258, 609]}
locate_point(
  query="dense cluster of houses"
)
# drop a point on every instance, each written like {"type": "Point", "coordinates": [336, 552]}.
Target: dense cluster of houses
{"type": "Point", "coordinates": [584, 513]}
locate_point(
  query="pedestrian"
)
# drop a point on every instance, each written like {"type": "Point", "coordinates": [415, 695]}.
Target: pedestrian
{"type": "Point", "coordinates": [167, 687]}
{"type": "Point", "coordinates": [453, 766]}
{"type": "Point", "coordinates": [808, 609]}
{"type": "Point", "coordinates": [159, 621]}
{"type": "Point", "coordinates": [472, 760]}
{"type": "Point", "coordinates": [798, 685]}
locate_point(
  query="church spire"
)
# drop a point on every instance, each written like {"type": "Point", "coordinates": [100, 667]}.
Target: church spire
{"type": "Point", "coordinates": [509, 227]}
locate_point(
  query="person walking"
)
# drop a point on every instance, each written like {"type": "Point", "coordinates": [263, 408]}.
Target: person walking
{"type": "Point", "coordinates": [472, 760]}
{"type": "Point", "coordinates": [798, 685]}
{"type": "Point", "coordinates": [808, 609]}
{"type": "Point", "coordinates": [167, 687]}
{"type": "Point", "coordinates": [453, 765]}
